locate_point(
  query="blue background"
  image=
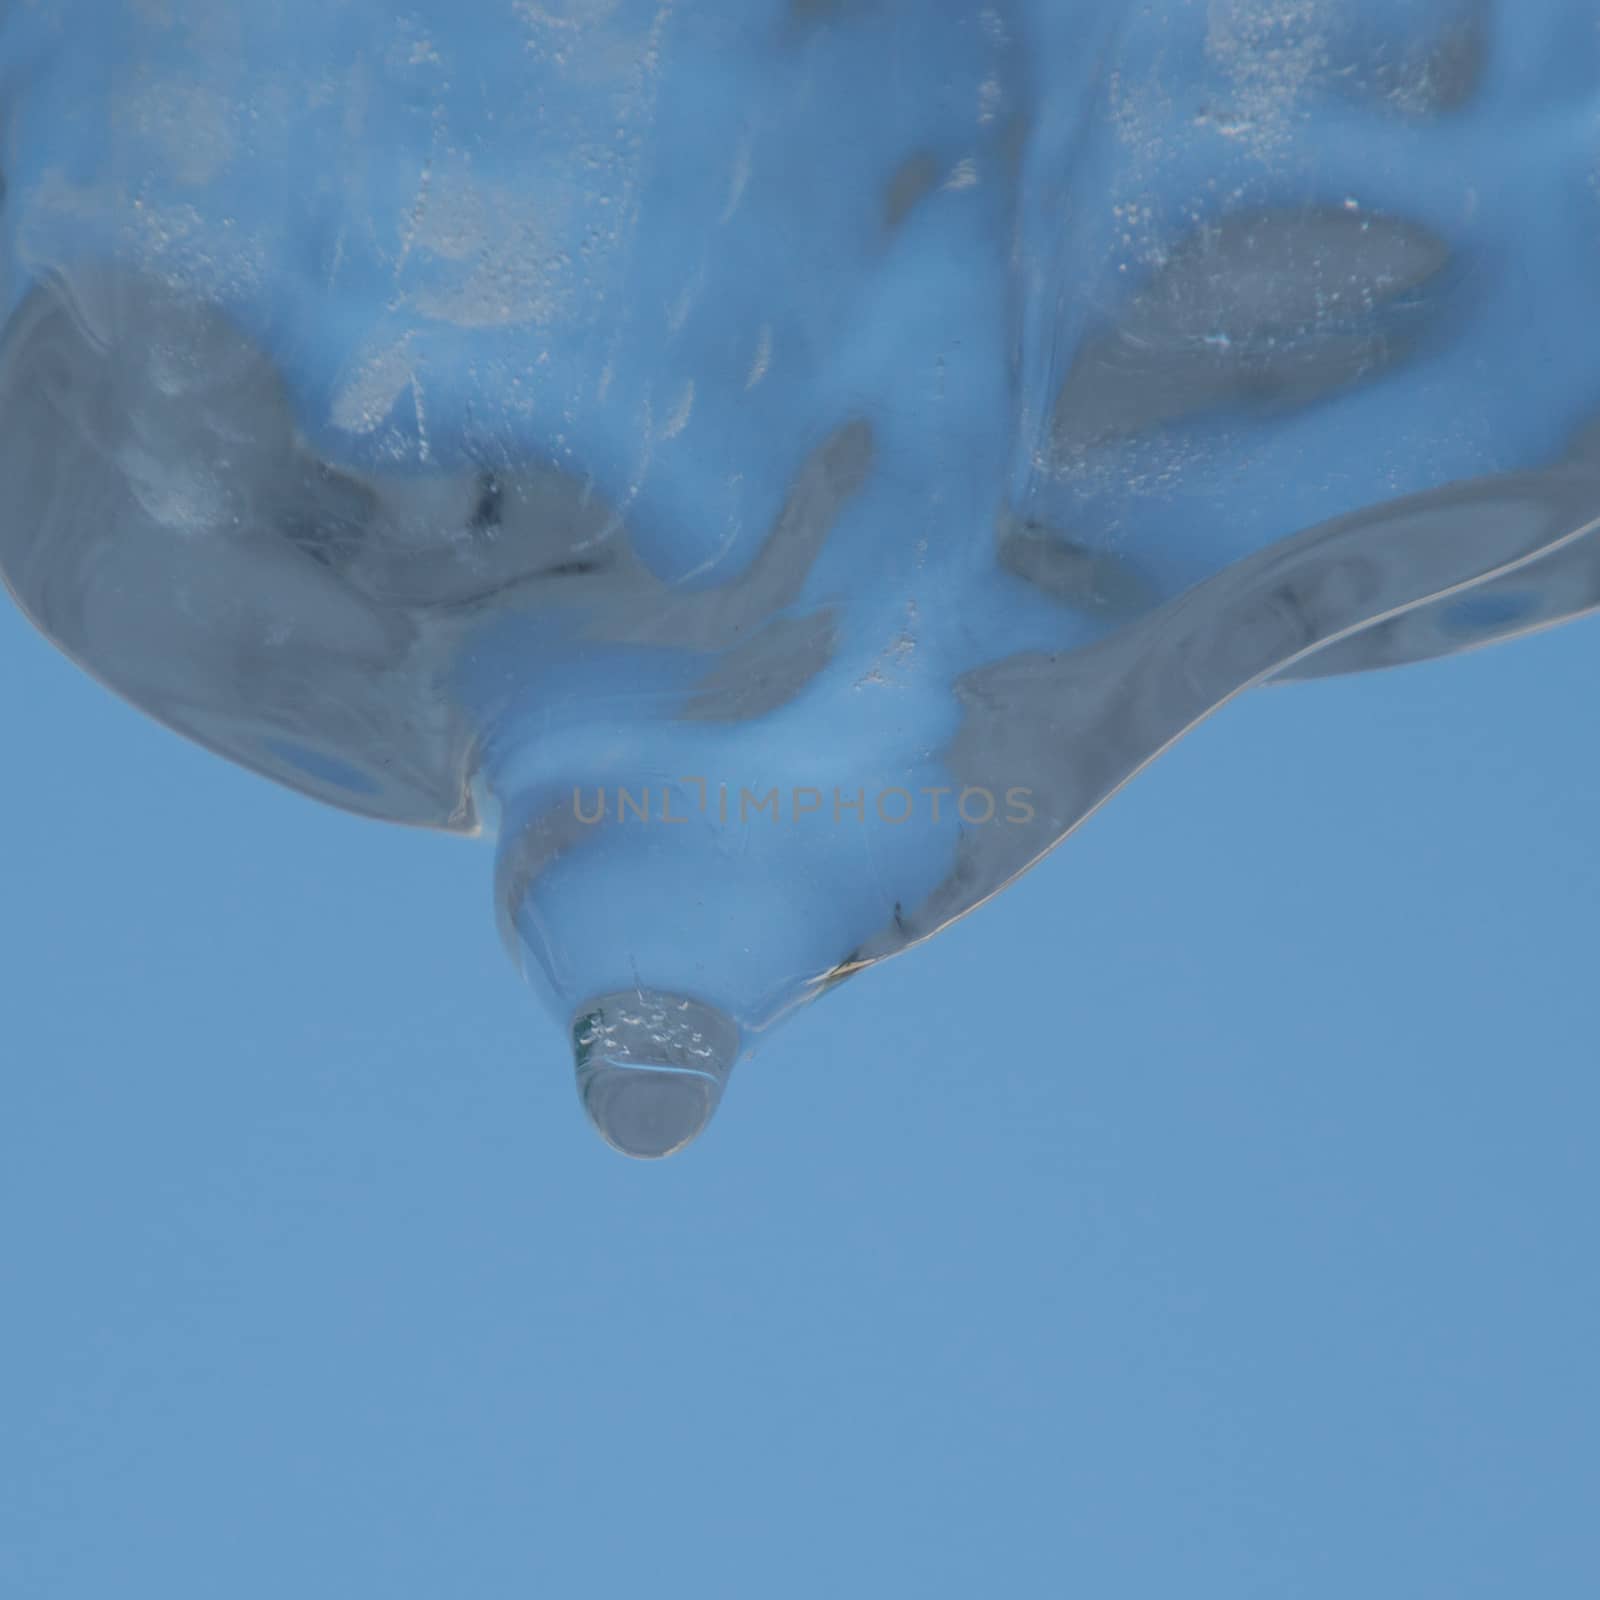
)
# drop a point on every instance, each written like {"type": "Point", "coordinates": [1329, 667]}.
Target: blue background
{"type": "Point", "coordinates": [1211, 1215]}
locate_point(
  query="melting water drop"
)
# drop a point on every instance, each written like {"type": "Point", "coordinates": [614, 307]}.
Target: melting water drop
{"type": "Point", "coordinates": [651, 1069]}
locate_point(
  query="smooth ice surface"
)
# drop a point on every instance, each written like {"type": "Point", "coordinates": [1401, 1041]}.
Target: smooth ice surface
{"type": "Point", "coordinates": [782, 466]}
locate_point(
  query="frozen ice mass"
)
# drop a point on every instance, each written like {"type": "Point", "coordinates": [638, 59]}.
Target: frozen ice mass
{"type": "Point", "coordinates": [773, 467]}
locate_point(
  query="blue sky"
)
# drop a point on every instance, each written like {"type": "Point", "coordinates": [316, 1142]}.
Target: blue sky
{"type": "Point", "coordinates": [1211, 1215]}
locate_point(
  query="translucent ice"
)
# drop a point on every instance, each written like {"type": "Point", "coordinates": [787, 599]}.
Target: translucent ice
{"type": "Point", "coordinates": [778, 465]}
